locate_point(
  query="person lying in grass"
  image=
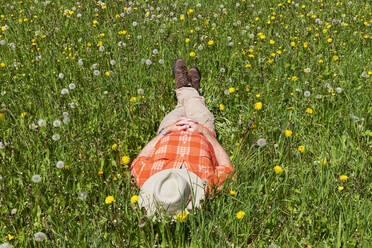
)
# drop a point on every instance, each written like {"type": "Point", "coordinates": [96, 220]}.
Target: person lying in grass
{"type": "Point", "coordinates": [177, 167]}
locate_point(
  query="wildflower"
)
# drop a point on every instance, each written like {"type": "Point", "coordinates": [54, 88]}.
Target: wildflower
{"type": "Point", "coordinates": [36, 178]}
{"type": "Point", "coordinates": [307, 70]}
{"type": "Point", "coordinates": [211, 42]}
{"type": "Point", "coordinates": [272, 42]}
{"type": "Point", "coordinates": [240, 215]}
{"type": "Point", "coordinates": [343, 178]}
{"type": "Point", "coordinates": [23, 114]}
{"type": "Point", "coordinates": [306, 93]}
{"type": "Point", "coordinates": [338, 90]}
{"type": "Point", "coordinates": [161, 61]}
{"type": "Point", "coordinates": [258, 106]}
{"type": "Point", "coordinates": [134, 199]}
{"type": "Point", "coordinates": [309, 111]}
{"type": "Point", "coordinates": [200, 47]}
{"type": "Point", "coordinates": [222, 107]}
{"type": "Point", "coordinates": [61, 75]}
{"type": "Point", "coordinates": [82, 195]}
{"type": "Point", "coordinates": [187, 40]}
{"type": "Point", "coordinates": [109, 199]}
{"type": "Point", "coordinates": [132, 99]}
{"type": "Point", "coordinates": [13, 212]}
{"type": "Point", "coordinates": [114, 147]}
{"type": "Point", "coordinates": [56, 137]}
{"type": "Point", "coordinates": [288, 133]}
{"type": "Point", "coordinates": [340, 188]}
{"type": "Point", "coordinates": [293, 44]}
{"type": "Point", "coordinates": [107, 73]}
{"type": "Point", "coordinates": [232, 192]}
{"type": "Point", "coordinates": [182, 17]}
{"type": "Point", "coordinates": [2, 115]}
{"type": "Point", "coordinates": [100, 172]}
{"type": "Point", "coordinates": [155, 51]}
{"type": "Point", "coordinates": [301, 148]}
{"type": "Point", "coordinates": [231, 90]}
{"type": "Point", "coordinates": [148, 62]}
{"type": "Point", "coordinates": [60, 164]}
{"type": "Point", "coordinates": [125, 160]}
{"type": "Point", "coordinates": [182, 216]}
{"type": "Point", "coordinates": [261, 142]}
{"type": "Point", "coordinates": [192, 54]}
{"type": "Point", "coordinates": [305, 44]}
{"type": "Point", "coordinates": [10, 237]}
{"type": "Point", "coordinates": [335, 57]}
{"type": "Point", "coordinates": [222, 69]}
{"type": "Point", "coordinates": [278, 170]}
{"type": "Point", "coordinates": [64, 91]}
{"type": "Point", "coordinates": [56, 123]}
{"type": "Point", "coordinates": [41, 123]}
{"type": "Point", "coordinates": [329, 40]}
{"type": "Point", "coordinates": [140, 91]}
{"type": "Point", "coordinates": [72, 86]}
{"type": "Point", "coordinates": [39, 236]}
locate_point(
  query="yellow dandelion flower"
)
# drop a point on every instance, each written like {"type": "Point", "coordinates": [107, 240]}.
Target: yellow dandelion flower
{"type": "Point", "coordinates": [340, 188]}
{"type": "Point", "coordinates": [2, 115]}
{"type": "Point", "coordinates": [192, 54]}
{"type": "Point", "coordinates": [272, 42]}
{"type": "Point", "coordinates": [10, 237]}
{"type": "Point", "coordinates": [102, 34]}
{"type": "Point", "coordinates": [247, 89]}
{"type": "Point", "coordinates": [335, 57]}
{"type": "Point", "coordinates": [258, 95]}
{"type": "Point", "coordinates": [107, 73]}
{"type": "Point", "coordinates": [132, 99]}
{"type": "Point", "coordinates": [231, 90]}
{"type": "Point", "coordinates": [343, 178]}
{"type": "Point", "coordinates": [240, 215]}
{"type": "Point", "coordinates": [329, 40]}
{"type": "Point", "coordinates": [182, 216]}
{"type": "Point", "coordinates": [2, 65]}
{"type": "Point", "coordinates": [293, 44]}
{"type": "Point", "coordinates": [232, 192]}
{"type": "Point", "coordinates": [109, 199]}
{"type": "Point", "coordinates": [100, 172]}
{"type": "Point", "coordinates": [278, 170]}
{"type": "Point", "coordinates": [305, 44]}
{"type": "Point", "coordinates": [320, 61]}
{"type": "Point", "coordinates": [301, 148]}
{"type": "Point", "coordinates": [182, 17]}
{"type": "Point", "coordinates": [134, 199]}
{"type": "Point", "coordinates": [187, 40]}
{"type": "Point", "coordinates": [248, 66]}
{"type": "Point", "coordinates": [125, 160]}
{"type": "Point", "coordinates": [23, 114]}
{"type": "Point", "coordinates": [258, 106]}
{"type": "Point", "coordinates": [211, 42]}
{"type": "Point", "coordinates": [222, 107]}
{"type": "Point", "coordinates": [309, 111]}
{"type": "Point", "coordinates": [288, 133]}
{"type": "Point", "coordinates": [324, 161]}
{"type": "Point", "coordinates": [114, 147]}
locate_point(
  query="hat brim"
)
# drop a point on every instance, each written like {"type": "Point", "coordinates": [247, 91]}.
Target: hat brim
{"type": "Point", "coordinates": [197, 186]}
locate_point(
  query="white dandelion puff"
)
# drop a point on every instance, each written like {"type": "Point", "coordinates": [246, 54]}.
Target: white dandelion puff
{"type": "Point", "coordinates": [161, 61]}
{"type": "Point", "coordinates": [72, 86]}
{"type": "Point", "coordinates": [364, 74]}
{"type": "Point", "coordinates": [57, 123]}
{"type": "Point", "coordinates": [82, 195]}
{"type": "Point", "coordinates": [56, 137]}
{"type": "Point", "coordinates": [222, 69]}
{"type": "Point", "coordinates": [134, 24]}
{"type": "Point", "coordinates": [200, 47]}
{"type": "Point", "coordinates": [41, 123]}
{"type": "Point", "coordinates": [96, 72]}
{"type": "Point", "coordinates": [60, 164]}
{"type": "Point", "coordinates": [5, 245]}
{"type": "Point", "coordinates": [112, 62]}
{"type": "Point", "coordinates": [101, 48]}
{"type": "Point", "coordinates": [36, 178]}
{"type": "Point", "coordinates": [226, 92]}
{"type": "Point", "coordinates": [39, 236]}
{"type": "Point", "coordinates": [155, 51]}
{"type": "Point", "coordinates": [61, 75]}
{"type": "Point", "coordinates": [148, 62]}
{"type": "Point", "coordinates": [2, 42]}
{"type": "Point", "coordinates": [66, 120]}
{"type": "Point", "coordinates": [339, 90]}
{"type": "Point", "coordinates": [307, 93]}
{"type": "Point", "coordinates": [261, 142]}
{"type": "Point", "coordinates": [64, 91]}
{"type": "Point", "coordinates": [2, 146]}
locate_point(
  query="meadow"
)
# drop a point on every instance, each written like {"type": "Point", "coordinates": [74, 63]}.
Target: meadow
{"type": "Point", "coordinates": [85, 84]}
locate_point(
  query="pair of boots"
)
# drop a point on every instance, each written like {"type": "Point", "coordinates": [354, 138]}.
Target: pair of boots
{"type": "Point", "coordinates": [186, 78]}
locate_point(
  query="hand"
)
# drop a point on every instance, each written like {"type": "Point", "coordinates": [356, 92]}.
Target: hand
{"type": "Point", "coordinates": [192, 126]}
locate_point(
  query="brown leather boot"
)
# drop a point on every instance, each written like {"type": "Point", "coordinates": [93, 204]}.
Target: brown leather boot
{"type": "Point", "coordinates": [195, 77]}
{"type": "Point", "coordinates": [180, 74]}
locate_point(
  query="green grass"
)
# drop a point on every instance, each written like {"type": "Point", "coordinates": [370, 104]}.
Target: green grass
{"type": "Point", "coordinates": [301, 207]}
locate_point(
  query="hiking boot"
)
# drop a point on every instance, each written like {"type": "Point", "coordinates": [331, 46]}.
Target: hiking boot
{"type": "Point", "coordinates": [180, 74]}
{"type": "Point", "coordinates": [195, 77]}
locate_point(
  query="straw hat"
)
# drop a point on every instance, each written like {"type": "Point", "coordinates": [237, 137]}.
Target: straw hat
{"type": "Point", "coordinates": [171, 191]}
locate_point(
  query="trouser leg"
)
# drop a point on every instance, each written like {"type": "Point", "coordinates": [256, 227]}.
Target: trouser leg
{"type": "Point", "coordinates": [172, 116]}
{"type": "Point", "coordinates": [194, 106]}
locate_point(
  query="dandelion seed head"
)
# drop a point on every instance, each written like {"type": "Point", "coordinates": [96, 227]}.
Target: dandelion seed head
{"type": "Point", "coordinates": [64, 91]}
{"type": "Point", "coordinates": [72, 86]}
{"type": "Point", "coordinates": [41, 123]}
{"type": "Point", "coordinates": [112, 62]}
{"type": "Point", "coordinates": [60, 164]}
{"type": "Point", "coordinates": [96, 72]}
{"type": "Point", "coordinates": [61, 75]}
{"type": "Point", "coordinates": [82, 195]}
{"type": "Point", "coordinates": [155, 51]}
{"type": "Point", "coordinates": [39, 236]}
{"type": "Point", "coordinates": [56, 137]}
{"type": "Point", "coordinates": [36, 178]}
{"type": "Point", "coordinates": [148, 62]}
{"type": "Point", "coordinates": [2, 42]}
{"type": "Point", "coordinates": [222, 69]}
{"type": "Point", "coordinates": [261, 142]}
{"type": "Point", "coordinates": [2, 146]}
{"type": "Point", "coordinates": [307, 93]}
{"type": "Point", "coordinates": [339, 90]}
{"type": "Point", "coordinates": [101, 48]}
{"type": "Point", "coordinates": [161, 61]}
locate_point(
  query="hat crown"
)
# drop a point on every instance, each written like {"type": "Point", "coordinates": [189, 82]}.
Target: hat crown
{"type": "Point", "coordinates": [172, 193]}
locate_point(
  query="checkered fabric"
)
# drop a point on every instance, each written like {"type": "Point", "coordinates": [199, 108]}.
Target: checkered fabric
{"type": "Point", "coordinates": [181, 149]}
